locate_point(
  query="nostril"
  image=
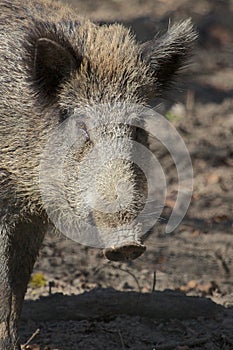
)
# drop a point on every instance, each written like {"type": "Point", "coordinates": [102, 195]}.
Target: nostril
{"type": "Point", "coordinates": [126, 252]}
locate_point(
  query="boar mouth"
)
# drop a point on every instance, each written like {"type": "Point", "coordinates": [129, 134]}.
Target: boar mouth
{"type": "Point", "coordinates": [125, 252]}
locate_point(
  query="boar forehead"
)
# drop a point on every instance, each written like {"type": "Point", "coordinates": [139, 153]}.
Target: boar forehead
{"type": "Point", "coordinates": [111, 67]}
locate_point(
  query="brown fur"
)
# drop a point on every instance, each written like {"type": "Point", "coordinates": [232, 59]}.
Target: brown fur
{"type": "Point", "coordinates": [54, 63]}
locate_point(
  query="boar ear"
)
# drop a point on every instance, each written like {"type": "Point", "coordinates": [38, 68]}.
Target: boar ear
{"type": "Point", "coordinates": [167, 54]}
{"type": "Point", "coordinates": [52, 64]}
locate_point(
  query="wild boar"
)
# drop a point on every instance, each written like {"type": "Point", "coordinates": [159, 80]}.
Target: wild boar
{"type": "Point", "coordinates": [53, 64]}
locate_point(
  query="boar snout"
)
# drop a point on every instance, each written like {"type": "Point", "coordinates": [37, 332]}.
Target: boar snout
{"type": "Point", "coordinates": [125, 252]}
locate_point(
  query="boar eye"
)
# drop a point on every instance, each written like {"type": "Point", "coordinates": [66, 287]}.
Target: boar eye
{"type": "Point", "coordinates": [83, 128]}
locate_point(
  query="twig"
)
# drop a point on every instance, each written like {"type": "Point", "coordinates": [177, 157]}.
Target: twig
{"type": "Point", "coordinates": [30, 339]}
{"type": "Point", "coordinates": [154, 282]}
{"type": "Point", "coordinates": [131, 274]}
{"type": "Point", "coordinates": [121, 338]}
{"type": "Point", "coordinates": [109, 263]}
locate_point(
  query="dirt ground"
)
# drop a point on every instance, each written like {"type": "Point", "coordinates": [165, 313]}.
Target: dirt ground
{"type": "Point", "coordinates": [194, 260]}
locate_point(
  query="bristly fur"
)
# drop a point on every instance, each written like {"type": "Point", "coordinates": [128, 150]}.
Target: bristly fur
{"type": "Point", "coordinates": [55, 64]}
{"type": "Point", "coordinates": [107, 67]}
